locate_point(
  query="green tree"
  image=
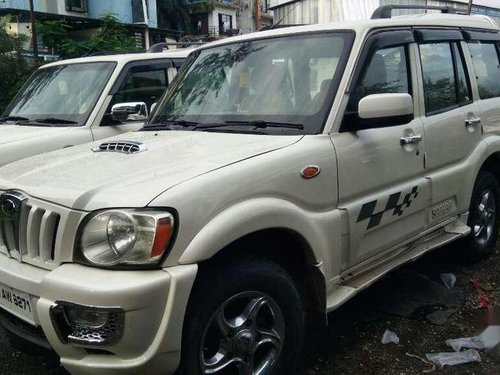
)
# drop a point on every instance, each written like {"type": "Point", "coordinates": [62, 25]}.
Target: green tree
{"type": "Point", "coordinates": [13, 67]}
{"type": "Point", "coordinates": [112, 36]}
{"type": "Point", "coordinates": [54, 33]}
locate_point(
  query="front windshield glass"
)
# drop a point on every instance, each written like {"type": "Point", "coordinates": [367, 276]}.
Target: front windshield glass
{"type": "Point", "coordinates": [287, 82]}
{"type": "Point", "coordinates": [62, 95]}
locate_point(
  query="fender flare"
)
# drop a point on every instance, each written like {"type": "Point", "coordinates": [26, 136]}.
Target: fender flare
{"type": "Point", "coordinates": [317, 228]}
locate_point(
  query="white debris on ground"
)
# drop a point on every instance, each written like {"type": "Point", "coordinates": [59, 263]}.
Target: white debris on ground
{"type": "Point", "coordinates": [390, 338]}
{"type": "Point", "coordinates": [454, 358]}
{"type": "Point", "coordinates": [488, 340]}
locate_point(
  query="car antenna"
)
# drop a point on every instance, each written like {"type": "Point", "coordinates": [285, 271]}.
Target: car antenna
{"type": "Point", "coordinates": [275, 25]}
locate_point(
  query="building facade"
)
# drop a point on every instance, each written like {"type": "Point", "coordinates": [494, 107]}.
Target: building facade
{"type": "Point", "coordinates": [325, 11]}
{"type": "Point", "coordinates": [222, 18]}
{"type": "Point", "coordinates": [139, 17]}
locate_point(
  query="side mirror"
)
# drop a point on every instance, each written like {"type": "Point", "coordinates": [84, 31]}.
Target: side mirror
{"type": "Point", "coordinates": [132, 111]}
{"type": "Point", "coordinates": [385, 105]}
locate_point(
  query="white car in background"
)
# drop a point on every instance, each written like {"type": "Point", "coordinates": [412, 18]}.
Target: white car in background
{"type": "Point", "coordinates": [76, 101]}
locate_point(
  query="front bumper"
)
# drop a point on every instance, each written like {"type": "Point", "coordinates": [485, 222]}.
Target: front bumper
{"type": "Point", "coordinates": [154, 303]}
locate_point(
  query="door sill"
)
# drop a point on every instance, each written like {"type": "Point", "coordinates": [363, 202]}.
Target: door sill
{"type": "Point", "coordinates": [440, 237]}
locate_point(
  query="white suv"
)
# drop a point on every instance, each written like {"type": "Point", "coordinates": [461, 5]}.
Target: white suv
{"type": "Point", "coordinates": [285, 171]}
{"type": "Point", "coordinates": [77, 101]}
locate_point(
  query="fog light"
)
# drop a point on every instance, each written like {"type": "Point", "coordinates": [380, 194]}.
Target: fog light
{"type": "Point", "coordinates": [90, 318]}
{"type": "Point", "coordinates": [87, 325]}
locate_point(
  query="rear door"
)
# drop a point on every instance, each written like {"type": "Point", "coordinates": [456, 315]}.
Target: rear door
{"type": "Point", "coordinates": [452, 120]}
{"type": "Point", "coordinates": [382, 188]}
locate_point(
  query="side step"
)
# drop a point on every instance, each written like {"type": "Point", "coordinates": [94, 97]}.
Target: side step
{"type": "Point", "coordinates": [353, 286]}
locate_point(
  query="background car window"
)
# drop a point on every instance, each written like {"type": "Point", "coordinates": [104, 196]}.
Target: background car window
{"type": "Point", "coordinates": [68, 92]}
{"type": "Point", "coordinates": [487, 68]}
{"type": "Point", "coordinates": [142, 84]}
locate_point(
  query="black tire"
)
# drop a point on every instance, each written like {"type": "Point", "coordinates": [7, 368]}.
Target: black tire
{"type": "Point", "coordinates": [226, 288]}
{"type": "Point", "coordinates": [480, 242]}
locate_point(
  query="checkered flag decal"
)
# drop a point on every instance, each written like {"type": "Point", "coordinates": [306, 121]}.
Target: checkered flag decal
{"type": "Point", "coordinates": [368, 209]}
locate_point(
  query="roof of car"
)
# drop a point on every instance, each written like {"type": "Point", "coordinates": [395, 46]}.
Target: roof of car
{"type": "Point", "coordinates": [125, 58]}
{"type": "Point", "coordinates": [360, 27]}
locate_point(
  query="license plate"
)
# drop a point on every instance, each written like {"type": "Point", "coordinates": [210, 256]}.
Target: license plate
{"type": "Point", "coordinates": [17, 302]}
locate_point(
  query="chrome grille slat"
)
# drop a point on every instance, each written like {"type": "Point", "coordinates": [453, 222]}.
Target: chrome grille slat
{"type": "Point", "coordinates": [10, 236]}
{"type": "Point", "coordinates": [33, 230]}
{"type": "Point", "coordinates": [23, 232]}
{"type": "Point", "coordinates": [32, 237]}
{"type": "Point", "coordinates": [47, 228]}
{"type": "Point", "coordinates": [3, 241]}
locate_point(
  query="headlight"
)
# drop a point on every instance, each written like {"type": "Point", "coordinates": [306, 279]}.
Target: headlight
{"type": "Point", "coordinates": [125, 237]}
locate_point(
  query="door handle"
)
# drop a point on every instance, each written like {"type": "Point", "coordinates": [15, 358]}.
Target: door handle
{"type": "Point", "coordinates": [473, 122]}
{"type": "Point", "coordinates": [411, 139]}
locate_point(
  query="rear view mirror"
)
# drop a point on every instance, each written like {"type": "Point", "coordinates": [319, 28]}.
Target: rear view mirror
{"type": "Point", "coordinates": [385, 105]}
{"type": "Point", "coordinates": [131, 111]}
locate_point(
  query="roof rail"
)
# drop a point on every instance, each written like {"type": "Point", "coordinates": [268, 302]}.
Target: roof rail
{"type": "Point", "coordinates": [385, 11]}
{"type": "Point", "coordinates": [161, 47]}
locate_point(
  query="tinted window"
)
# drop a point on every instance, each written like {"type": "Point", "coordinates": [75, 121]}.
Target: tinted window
{"type": "Point", "coordinates": [445, 81]}
{"type": "Point", "coordinates": [486, 66]}
{"type": "Point", "coordinates": [385, 73]}
{"type": "Point", "coordinates": [142, 84]}
{"type": "Point", "coordinates": [463, 85]}
{"type": "Point", "coordinates": [439, 76]}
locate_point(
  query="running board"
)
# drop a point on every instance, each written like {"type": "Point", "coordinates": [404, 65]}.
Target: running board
{"type": "Point", "coordinates": [353, 286]}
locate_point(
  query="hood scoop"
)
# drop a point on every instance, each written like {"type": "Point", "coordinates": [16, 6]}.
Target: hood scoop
{"type": "Point", "coordinates": [124, 147]}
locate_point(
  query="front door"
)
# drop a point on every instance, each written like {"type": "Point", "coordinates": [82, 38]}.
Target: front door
{"type": "Point", "coordinates": [382, 189]}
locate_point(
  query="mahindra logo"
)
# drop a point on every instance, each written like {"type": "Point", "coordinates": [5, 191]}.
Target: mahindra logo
{"type": "Point", "coordinates": [11, 204]}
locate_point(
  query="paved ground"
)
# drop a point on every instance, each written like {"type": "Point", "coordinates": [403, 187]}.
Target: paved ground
{"type": "Point", "coordinates": [351, 345]}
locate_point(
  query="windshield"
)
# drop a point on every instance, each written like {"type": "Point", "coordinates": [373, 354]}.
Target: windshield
{"type": "Point", "coordinates": [277, 85]}
{"type": "Point", "coordinates": [62, 95]}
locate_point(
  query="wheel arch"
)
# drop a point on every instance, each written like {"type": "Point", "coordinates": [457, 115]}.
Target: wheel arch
{"type": "Point", "coordinates": [286, 247]}
{"type": "Point", "coordinates": [492, 165]}
{"type": "Point", "coordinates": [298, 240]}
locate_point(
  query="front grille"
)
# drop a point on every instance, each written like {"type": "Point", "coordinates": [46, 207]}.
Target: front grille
{"type": "Point", "coordinates": [31, 237]}
{"type": "Point", "coordinates": [126, 147]}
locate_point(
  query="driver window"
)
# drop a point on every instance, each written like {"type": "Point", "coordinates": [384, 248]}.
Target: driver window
{"type": "Point", "coordinates": [386, 73]}
{"type": "Point", "coordinates": [142, 85]}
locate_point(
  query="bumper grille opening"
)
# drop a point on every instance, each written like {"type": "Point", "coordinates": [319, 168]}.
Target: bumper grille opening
{"type": "Point", "coordinates": [98, 352]}
{"type": "Point", "coordinates": [96, 336]}
{"type": "Point", "coordinates": [87, 334]}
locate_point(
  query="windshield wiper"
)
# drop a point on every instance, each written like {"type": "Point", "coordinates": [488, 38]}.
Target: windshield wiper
{"type": "Point", "coordinates": [259, 124]}
{"type": "Point", "coordinates": [167, 125]}
{"type": "Point", "coordinates": [53, 120]}
{"type": "Point", "coordinates": [13, 118]}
